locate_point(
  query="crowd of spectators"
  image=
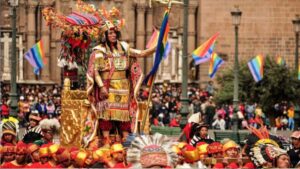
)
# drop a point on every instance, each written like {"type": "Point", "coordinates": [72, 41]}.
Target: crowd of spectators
{"type": "Point", "coordinates": [166, 107]}
{"type": "Point", "coordinates": [46, 100]}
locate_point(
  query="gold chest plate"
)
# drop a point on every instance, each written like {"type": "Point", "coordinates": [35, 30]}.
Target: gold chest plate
{"type": "Point", "coordinates": [120, 63]}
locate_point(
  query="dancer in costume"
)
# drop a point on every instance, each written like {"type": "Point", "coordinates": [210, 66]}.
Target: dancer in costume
{"type": "Point", "coordinates": [33, 152]}
{"type": "Point", "coordinates": [9, 129]}
{"type": "Point", "coordinates": [119, 154]}
{"type": "Point", "coordinates": [8, 153]}
{"type": "Point", "coordinates": [20, 159]}
{"type": "Point", "coordinates": [201, 135]}
{"type": "Point", "coordinates": [49, 128]}
{"type": "Point", "coordinates": [152, 151]}
{"type": "Point", "coordinates": [33, 131]}
{"type": "Point", "coordinates": [111, 74]}
{"type": "Point", "coordinates": [63, 158]}
{"type": "Point", "coordinates": [266, 150]}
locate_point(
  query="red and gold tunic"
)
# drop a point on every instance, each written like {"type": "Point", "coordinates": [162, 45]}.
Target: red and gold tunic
{"type": "Point", "coordinates": [112, 66]}
{"type": "Point", "coordinates": [12, 164]}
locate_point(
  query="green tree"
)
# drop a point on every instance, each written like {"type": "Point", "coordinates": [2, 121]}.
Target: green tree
{"type": "Point", "coordinates": [278, 84]}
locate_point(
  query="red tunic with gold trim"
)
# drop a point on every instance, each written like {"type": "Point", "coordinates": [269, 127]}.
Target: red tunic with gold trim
{"type": "Point", "coordinates": [111, 68]}
{"type": "Point", "coordinates": [12, 164]}
{"type": "Point", "coordinates": [122, 165]}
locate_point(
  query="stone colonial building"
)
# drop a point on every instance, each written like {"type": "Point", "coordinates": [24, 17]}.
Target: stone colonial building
{"type": "Point", "coordinates": [266, 28]}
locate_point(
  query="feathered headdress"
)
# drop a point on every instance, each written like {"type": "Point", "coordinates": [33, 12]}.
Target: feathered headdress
{"type": "Point", "coordinates": [265, 153]}
{"type": "Point", "coordinates": [79, 29]}
{"type": "Point", "coordinates": [9, 126]}
{"type": "Point", "coordinates": [151, 150]}
{"type": "Point", "coordinates": [50, 124]}
{"type": "Point", "coordinates": [263, 147]}
{"type": "Point", "coordinates": [32, 135]}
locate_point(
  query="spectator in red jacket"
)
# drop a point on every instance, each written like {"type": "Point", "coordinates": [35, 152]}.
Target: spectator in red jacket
{"type": "Point", "coordinates": [175, 121]}
{"type": "Point", "coordinates": [4, 109]}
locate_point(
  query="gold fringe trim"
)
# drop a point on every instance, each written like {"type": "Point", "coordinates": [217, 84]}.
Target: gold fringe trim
{"type": "Point", "coordinates": [117, 115]}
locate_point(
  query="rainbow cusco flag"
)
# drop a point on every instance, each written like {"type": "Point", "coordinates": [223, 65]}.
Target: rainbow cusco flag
{"type": "Point", "coordinates": [256, 66]}
{"type": "Point", "coordinates": [36, 57]}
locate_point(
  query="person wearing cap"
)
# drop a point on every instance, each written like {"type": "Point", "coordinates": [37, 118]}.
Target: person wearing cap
{"type": "Point", "coordinates": [20, 160]}
{"type": "Point", "coordinates": [215, 150]}
{"type": "Point", "coordinates": [63, 158]}
{"type": "Point", "coordinates": [33, 131]}
{"type": "Point", "coordinates": [45, 158]}
{"type": "Point", "coordinates": [34, 119]}
{"type": "Point", "coordinates": [9, 129]}
{"type": "Point", "coordinates": [230, 151]}
{"type": "Point", "coordinates": [44, 154]}
{"type": "Point", "coordinates": [191, 156]}
{"type": "Point", "coordinates": [100, 157]}
{"type": "Point", "coordinates": [202, 151]}
{"type": "Point", "coordinates": [201, 135]}
{"type": "Point", "coordinates": [294, 153]}
{"type": "Point", "coordinates": [53, 148]}
{"type": "Point", "coordinates": [110, 77]}
{"type": "Point", "coordinates": [80, 159]}
{"type": "Point", "coordinates": [118, 154]}
{"type": "Point", "coordinates": [8, 152]}
{"type": "Point", "coordinates": [33, 152]}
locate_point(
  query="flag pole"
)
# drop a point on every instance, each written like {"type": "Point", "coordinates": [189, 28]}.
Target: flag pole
{"type": "Point", "coordinates": [148, 104]}
{"type": "Point", "coordinates": [151, 86]}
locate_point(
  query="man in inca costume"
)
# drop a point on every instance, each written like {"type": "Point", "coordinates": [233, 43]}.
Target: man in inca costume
{"type": "Point", "coordinates": [113, 76]}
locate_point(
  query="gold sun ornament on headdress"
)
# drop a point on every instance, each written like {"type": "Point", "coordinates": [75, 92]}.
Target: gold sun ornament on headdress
{"type": "Point", "coordinates": [112, 19]}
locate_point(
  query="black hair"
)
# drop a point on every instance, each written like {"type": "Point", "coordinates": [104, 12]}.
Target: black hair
{"type": "Point", "coordinates": [118, 33]}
